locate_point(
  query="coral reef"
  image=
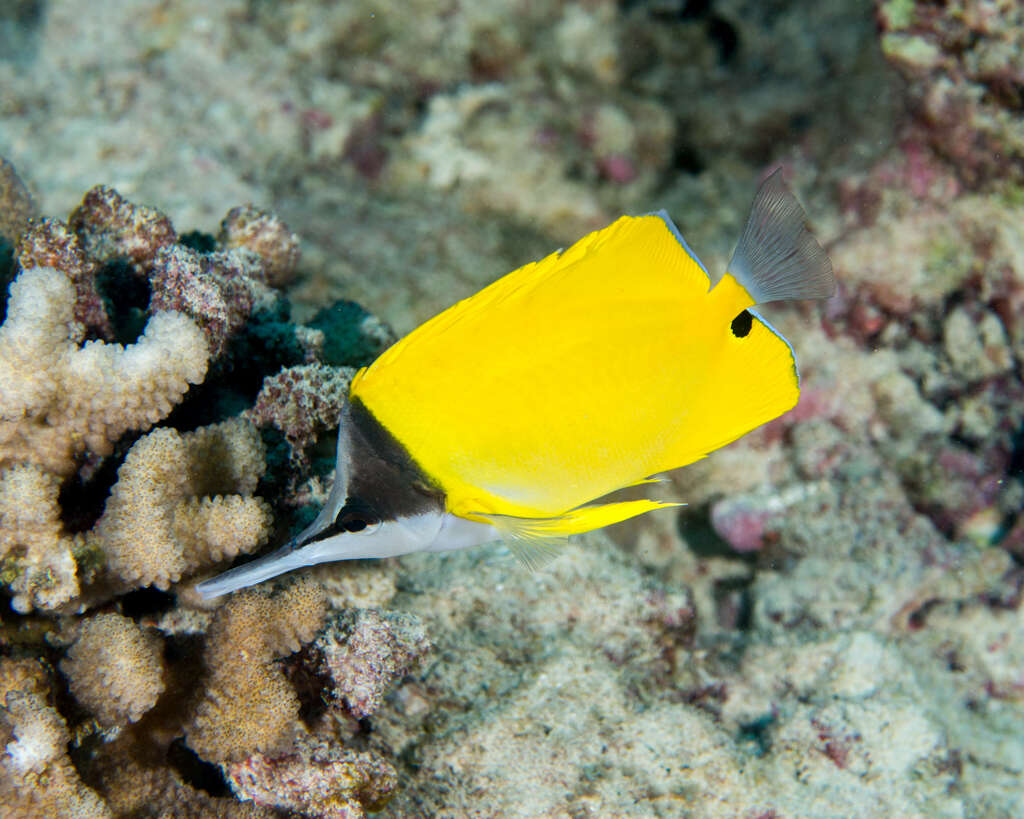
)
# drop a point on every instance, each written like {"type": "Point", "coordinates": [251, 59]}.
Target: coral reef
{"type": "Point", "coordinates": [75, 397]}
{"type": "Point", "coordinates": [136, 363]}
{"type": "Point", "coordinates": [832, 625]}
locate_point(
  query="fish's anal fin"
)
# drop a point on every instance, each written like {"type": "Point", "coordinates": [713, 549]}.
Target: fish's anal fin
{"type": "Point", "coordinates": [777, 258]}
{"type": "Point", "coordinates": [536, 541]}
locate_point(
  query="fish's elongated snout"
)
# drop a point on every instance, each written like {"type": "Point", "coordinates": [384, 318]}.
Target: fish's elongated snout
{"type": "Point", "coordinates": [311, 547]}
{"type": "Point", "coordinates": [256, 571]}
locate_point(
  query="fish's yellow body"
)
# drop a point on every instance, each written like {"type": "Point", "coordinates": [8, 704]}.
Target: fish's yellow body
{"type": "Point", "coordinates": [578, 375]}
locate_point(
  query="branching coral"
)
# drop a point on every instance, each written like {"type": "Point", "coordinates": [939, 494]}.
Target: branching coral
{"type": "Point", "coordinates": [248, 704]}
{"type": "Point", "coordinates": [72, 536]}
{"type": "Point", "coordinates": [37, 779]}
{"type": "Point", "coordinates": [60, 398]}
{"type": "Point", "coordinates": [115, 669]}
{"type": "Point", "coordinates": [100, 495]}
{"type": "Point", "coordinates": [173, 508]}
{"type": "Point", "coordinates": [36, 555]}
{"type": "Point", "coordinates": [181, 501]}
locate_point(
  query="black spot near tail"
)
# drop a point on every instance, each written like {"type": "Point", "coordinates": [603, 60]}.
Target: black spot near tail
{"type": "Point", "coordinates": [741, 324]}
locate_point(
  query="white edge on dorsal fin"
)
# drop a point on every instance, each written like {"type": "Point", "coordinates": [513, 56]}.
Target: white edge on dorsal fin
{"type": "Point", "coordinates": [777, 258]}
{"type": "Point", "coordinates": [663, 215]}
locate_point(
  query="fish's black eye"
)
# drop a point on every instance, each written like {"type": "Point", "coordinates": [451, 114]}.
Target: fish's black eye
{"type": "Point", "coordinates": [741, 324]}
{"type": "Point", "coordinates": [354, 517]}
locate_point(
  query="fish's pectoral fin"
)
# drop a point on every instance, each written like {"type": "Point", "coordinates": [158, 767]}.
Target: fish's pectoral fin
{"type": "Point", "coordinates": [777, 258]}
{"type": "Point", "coordinates": [534, 552]}
{"type": "Point", "coordinates": [536, 541]}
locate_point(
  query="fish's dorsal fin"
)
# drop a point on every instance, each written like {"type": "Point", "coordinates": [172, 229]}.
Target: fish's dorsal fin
{"type": "Point", "coordinates": [777, 258]}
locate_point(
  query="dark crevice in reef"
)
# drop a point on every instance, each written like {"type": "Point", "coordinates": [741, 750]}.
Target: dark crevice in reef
{"type": "Point", "coordinates": [6, 274]}
{"type": "Point", "coordinates": [125, 296]}
{"type": "Point", "coordinates": [194, 771]}
{"type": "Point", "coordinates": [145, 602]}
{"type": "Point", "coordinates": [265, 345]}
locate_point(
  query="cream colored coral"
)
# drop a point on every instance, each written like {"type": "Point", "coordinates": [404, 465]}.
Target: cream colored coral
{"type": "Point", "coordinates": [37, 780]}
{"type": "Point", "coordinates": [26, 674]}
{"type": "Point", "coordinates": [248, 704]}
{"type": "Point", "coordinates": [115, 669]}
{"type": "Point", "coordinates": [59, 399]}
{"type": "Point", "coordinates": [35, 555]}
{"type": "Point", "coordinates": [182, 501]}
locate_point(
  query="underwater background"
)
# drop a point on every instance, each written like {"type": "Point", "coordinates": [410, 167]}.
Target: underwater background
{"type": "Point", "coordinates": [212, 212]}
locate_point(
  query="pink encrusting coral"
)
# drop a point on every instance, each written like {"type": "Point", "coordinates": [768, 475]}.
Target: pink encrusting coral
{"type": "Point", "coordinates": [320, 780]}
{"type": "Point", "coordinates": [266, 235]}
{"type": "Point", "coordinates": [366, 651]}
{"type": "Point", "coordinates": [112, 228]}
{"type": "Point", "coordinates": [302, 402]}
{"type": "Point", "coordinates": [217, 290]}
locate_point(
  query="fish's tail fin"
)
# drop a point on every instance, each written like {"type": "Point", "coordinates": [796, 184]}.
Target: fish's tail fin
{"type": "Point", "coordinates": [777, 258]}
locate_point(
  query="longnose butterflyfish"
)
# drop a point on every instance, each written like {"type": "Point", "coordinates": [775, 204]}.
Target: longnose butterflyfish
{"type": "Point", "coordinates": [515, 413]}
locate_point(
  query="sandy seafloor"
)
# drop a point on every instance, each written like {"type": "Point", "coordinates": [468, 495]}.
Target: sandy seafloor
{"type": "Point", "coordinates": [832, 626]}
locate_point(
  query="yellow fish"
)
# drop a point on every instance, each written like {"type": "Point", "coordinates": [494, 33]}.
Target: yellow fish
{"type": "Point", "coordinates": [516, 411]}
